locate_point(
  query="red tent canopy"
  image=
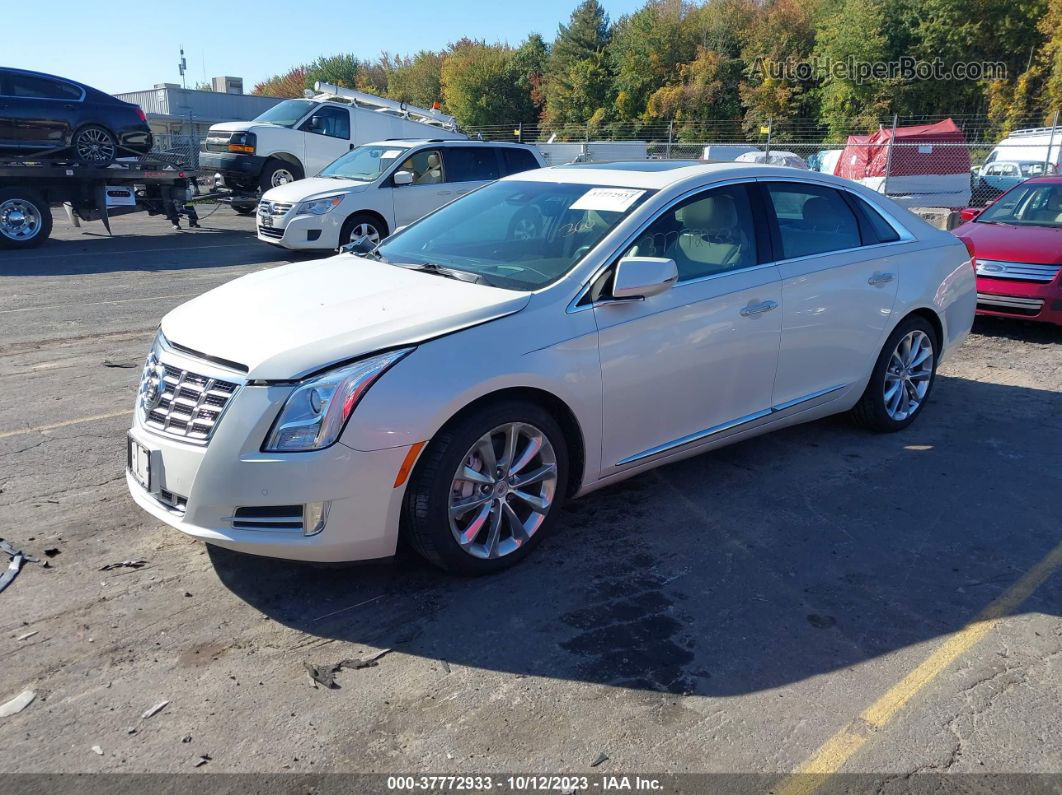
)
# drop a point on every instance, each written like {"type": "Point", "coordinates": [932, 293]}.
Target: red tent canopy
{"type": "Point", "coordinates": [927, 149]}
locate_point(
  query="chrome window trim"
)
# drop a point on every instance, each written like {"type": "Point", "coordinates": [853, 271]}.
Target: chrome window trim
{"type": "Point", "coordinates": [707, 433]}
{"type": "Point", "coordinates": [54, 80]}
{"type": "Point", "coordinates": [905, 236]}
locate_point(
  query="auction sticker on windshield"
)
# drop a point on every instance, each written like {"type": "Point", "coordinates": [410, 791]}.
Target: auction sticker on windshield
{"type": "Point", "coordinates": [611, 200]}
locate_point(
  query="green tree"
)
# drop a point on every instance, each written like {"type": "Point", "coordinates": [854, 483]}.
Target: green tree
{"type": "Point", "coordinates": [579, 80]}
{"type": "Point", "coordinates": [646, 51]}
{"type": "Point", "coordinates": [341, 70]}
{"type": "Point", "coordinates": [530, 62]}
{"type": "Point", "coordinates": [417, 80]}
{"type": "Point", "coordinates": [480, 86]}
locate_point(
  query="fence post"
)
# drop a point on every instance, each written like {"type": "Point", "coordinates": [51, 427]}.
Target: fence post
{"type": "Point", "coordinates": [888, 157]}
{"type": "Point", "coordinates": [767, 151]}
{"type": "Point", "coordinates": [586, 136]}
{"type": "Point", "coordinates": [1050, 142]}
{"type": "Point", "coordinates": [520, 133]}
{"type": "Point", "coordinates": [670, 134]}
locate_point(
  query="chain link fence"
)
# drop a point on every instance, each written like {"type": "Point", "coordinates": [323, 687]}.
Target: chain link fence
{"type": "Point", "coordinates": [946, 162]}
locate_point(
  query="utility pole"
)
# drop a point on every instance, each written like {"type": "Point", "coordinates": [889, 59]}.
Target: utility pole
{"type": "Point", "coordinates": [1050, 144]}
{"type": "Point", "coordinates": [181, 67]}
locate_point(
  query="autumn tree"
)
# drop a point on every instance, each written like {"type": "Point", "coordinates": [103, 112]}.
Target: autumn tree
{"type": "Point", "coordinates": [480, 85]}
{"type": "Point", "coordinates": [417, 80]}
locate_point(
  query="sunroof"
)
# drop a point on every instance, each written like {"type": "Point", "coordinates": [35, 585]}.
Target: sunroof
{"type": "Point", "coordinates": [636, 165]}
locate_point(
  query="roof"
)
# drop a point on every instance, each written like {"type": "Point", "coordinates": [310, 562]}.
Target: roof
{"type": "Point", "coordinates": [443, 142]}
{"type": "Point", "coordinates": [652, 175]}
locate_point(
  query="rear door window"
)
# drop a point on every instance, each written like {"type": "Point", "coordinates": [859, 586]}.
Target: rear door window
{"type": "Point", "coordinates": [33, 87]}
{"type": "Point", "coordinates": [812, 219]}
{"type": "Point", "coordinates": [471, 163]}
{"type": "Point", "coordinates": [517, 160]}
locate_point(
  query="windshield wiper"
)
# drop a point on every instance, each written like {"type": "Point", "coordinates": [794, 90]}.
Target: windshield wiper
{"type": "Point", "coordinates": [442, 270]}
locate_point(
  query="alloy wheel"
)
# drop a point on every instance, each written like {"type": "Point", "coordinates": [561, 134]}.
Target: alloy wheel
{"type": "Point", "coordinates": [503, 490]}
{"type": "Point", "coordinates": [94, 146]}
{"type": "Point", "coordinates": [19, 220]}
{"type": "Point", "coordinates": [908, 375]}
{"type": "Point", "coordinates": [367, 231]}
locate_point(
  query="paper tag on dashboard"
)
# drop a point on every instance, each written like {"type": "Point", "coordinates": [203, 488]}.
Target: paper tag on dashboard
{"type": "Point", "coordinates": [609, 200]}
{"type": "Point", "coordinates": [391, 154]}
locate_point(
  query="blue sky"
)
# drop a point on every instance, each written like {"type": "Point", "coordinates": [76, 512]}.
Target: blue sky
{"type": "Point", "coordinates": [132, 46]}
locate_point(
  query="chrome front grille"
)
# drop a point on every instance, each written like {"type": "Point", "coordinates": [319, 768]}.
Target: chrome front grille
{"type": "Point", "coordinates": [274, 208]}
{"type": "Point", "coordinates": [182, 403]}
{"type": "Point", "coordinates": [271, 231]}
{"type": "Point", "coordinates": [1021, 271]}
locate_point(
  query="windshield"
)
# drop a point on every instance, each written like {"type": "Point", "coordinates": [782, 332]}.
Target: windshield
{"type": "Point", "coordinates": [519, 235]}
{"type": "Point", "coordinates": [1027, 205]}
{"type": "Point", "coordinates": [288, 112]}
{"type": "Point", "coordinates": [365, 163]}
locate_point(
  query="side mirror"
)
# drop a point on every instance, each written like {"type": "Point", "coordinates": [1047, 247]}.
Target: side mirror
{"type": "Point", "coordinates": [643, 277]}
{"type": "Point", "coordinates": [360, 246]}
{"type": "Point", "coordinates": [315, 123]}
{"type": "Point", "coordinates": [969, 213]}
{"type": "Point", "coordinates": [403, 178]}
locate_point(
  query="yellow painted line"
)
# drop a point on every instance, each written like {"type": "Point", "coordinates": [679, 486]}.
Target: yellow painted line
{"type": "Point", "coordinates": [44, 428]}
{"type": "Point", "coordinates": [835, 752]}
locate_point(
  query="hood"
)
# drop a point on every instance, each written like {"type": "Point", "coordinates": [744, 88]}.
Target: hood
{"type": "Point", "coordinates": [233, 126]}
{"type": "Point", "coordinates": [302, 189]}
{"type": "Point", "coordinates": [289, 321]}
{"type": "Point", "coordinates": [1034, 244]}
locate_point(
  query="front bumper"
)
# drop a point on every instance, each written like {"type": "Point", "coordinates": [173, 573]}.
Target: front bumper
{"type": "Point", "coordinates": [302, 232]}
{"type": "Point", "coordinates": [199, 488]}
{"type": "Point", "coordinates": [233, 167]}
{"type": "Point", "coordinates": [1038, 302]}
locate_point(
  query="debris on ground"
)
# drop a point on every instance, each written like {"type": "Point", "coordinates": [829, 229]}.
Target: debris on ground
{"type": "Point", "coordinates": [155, 710]}
{"type": "Point", "coordinates": [97, 750]}
{"type": "Point", "coordinates": [51, 552]}
{"type": "Point", "coordinates": [28, 635]}
{"type": "Point", "coordinates": [326, 674]}
{"type": "Point", "coordinates": [122, 365]}
{"type": "Point", "coordinates": [18, 559]}
{"type": "Point", "coordinates": [821, 622]}
{"type": "Point", "coordinates": [601, 758]}
{"type": "Point", "coordinates": [203, 759]}
{"type": "Point", "coordinates": [17, 704]}
{"type": "Point", "coordinates": [124, 564]}
{"type": "Point", "coordinates": [186, 739]}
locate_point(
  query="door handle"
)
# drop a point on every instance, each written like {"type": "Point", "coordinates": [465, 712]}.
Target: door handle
{"type": "Point", "coordinates": [444, 193]}
{"type": "Point", "coordinates": [351, 147]}
{"type": "Point", "coordinates": [880, 279]}
{"type": "Point", "coordinates": [755, 310]}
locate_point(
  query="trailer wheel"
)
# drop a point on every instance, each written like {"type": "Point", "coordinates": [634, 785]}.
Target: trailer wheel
{"type": "Point", "coordinates": [278, 172]}
{"type": "Point", "coordinates": [25, 219]}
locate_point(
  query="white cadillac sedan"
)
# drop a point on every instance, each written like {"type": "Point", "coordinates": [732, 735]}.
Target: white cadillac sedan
{"type": "Point", "coordinates": [546, 335]}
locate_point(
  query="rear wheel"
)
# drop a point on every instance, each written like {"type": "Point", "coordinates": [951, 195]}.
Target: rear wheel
{"type": "Point", "coordinates": [488, 488]}
{"type": "Point", "coordinates": [902, 379]}
{"type": "Point", "coordinates": [25, 219]}
{"type": "Point", "coordinates": [94, 145]}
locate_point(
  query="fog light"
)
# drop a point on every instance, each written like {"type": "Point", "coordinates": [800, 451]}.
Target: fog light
{"type": "Point", "coordinates": [314, 516]}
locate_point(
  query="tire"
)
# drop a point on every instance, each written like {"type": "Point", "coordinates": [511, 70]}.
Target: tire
{"type": "Point", "coordinates": [359, 224]}
{"type": "Point", "coordinates": [244, 210]}
{"type": "Point", "coordinates": [94, 145]}
{"type": "Point", "coordinates": [435, 487]}
{"type": "Point", "coordinates": [278, 172]}
{"type": "Point", "coordinates": [883, 411]}
{"type": "Point", "coordinates": [25, 219]}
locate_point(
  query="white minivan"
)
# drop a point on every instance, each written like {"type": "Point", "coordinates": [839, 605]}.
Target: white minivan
{"type": "Point", "coordinates": [376, 188]}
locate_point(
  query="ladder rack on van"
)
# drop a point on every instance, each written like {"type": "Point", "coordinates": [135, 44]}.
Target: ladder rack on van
{"type": "Point", "coordinates": [372, 102]}
{"type": "Point", "coordinates": [1034, 131]}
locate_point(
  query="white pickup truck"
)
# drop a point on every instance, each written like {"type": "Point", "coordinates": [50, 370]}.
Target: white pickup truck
{"type": "Point", "coordinates": [298, 137]}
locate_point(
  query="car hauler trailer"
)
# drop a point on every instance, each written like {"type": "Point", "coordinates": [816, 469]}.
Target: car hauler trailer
{"type": "Point", "coordinates": [30, 188]}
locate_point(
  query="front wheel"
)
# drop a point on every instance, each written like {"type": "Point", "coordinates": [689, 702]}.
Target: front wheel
{"type": "Point", "coordinates": [25, 219]}
{"type": "Point", "coordinates": [902, 379]}
{"type": "Point", "coordinates": [488, 488]}
{"type": "Point", "coordinates": [277, 173]}
{"type": "Point", "coordinates": [362, 225]}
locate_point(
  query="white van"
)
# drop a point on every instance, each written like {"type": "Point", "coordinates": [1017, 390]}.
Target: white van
{"type": "Point", "coordinates": [299, 137]}
{"type": "Point", "coordinates": [1029, 145]}
{"type": "Point", "coordinates": [372, 190]}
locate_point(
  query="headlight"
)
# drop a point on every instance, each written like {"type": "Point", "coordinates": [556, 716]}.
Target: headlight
{"type": "Point", "coordinates": [243, 143]}
{"type": "Point", "coordinates": [320, 206]}
{"type": "Point", "coordinates": [317, 411]}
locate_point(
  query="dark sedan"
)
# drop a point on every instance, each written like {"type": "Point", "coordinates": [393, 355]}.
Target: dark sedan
{"type": "Point", "coordinates": [43, 113]}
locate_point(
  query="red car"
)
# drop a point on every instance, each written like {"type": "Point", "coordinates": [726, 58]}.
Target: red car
{"type": "Point", "coordinates": [1016, 243]}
